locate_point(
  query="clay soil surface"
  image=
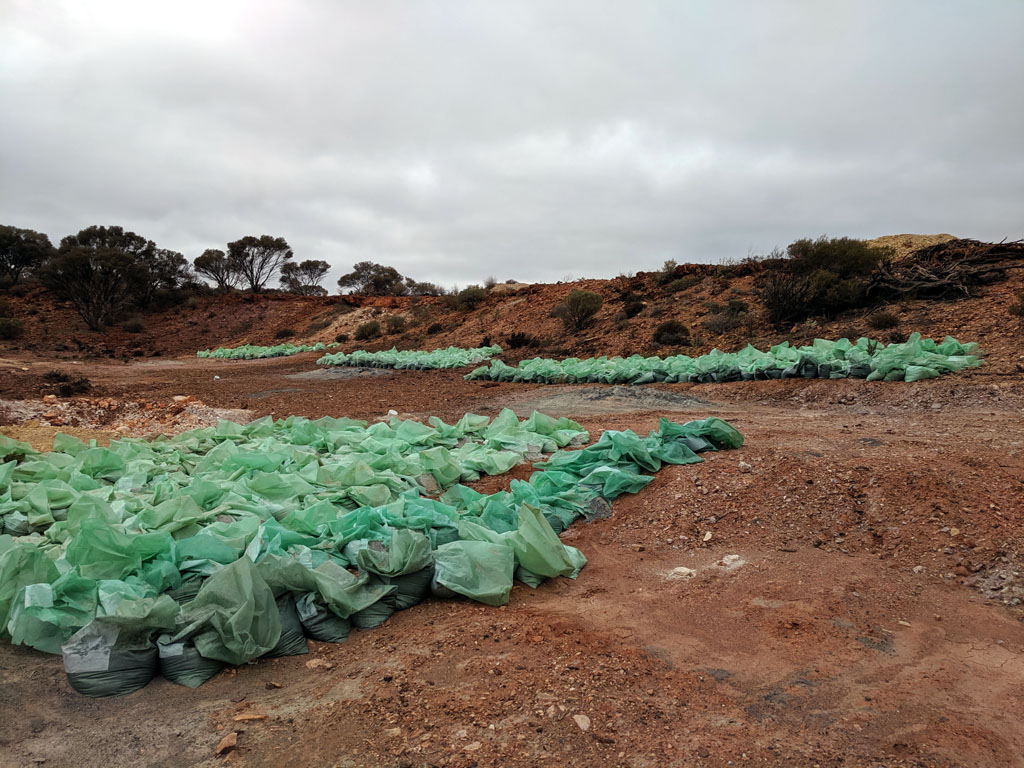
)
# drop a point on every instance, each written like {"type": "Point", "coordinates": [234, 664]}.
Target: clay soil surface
{"type": "Point", "coordinates": [843, 590]}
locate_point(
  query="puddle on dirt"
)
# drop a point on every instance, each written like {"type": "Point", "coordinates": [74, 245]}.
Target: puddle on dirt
{"type": "Point", "coordinates": [340, 372]}
{"type": "Point", "coordinates": [599, 401]}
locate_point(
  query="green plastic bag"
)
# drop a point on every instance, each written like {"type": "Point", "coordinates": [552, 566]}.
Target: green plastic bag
{"type": "Point", "coordinates": [319, 622]}
{"type": "Point", "coordinates": [239, 614]}
{"type": "Point", "coordinates": [183, 664]}
{"type": "Point", "coordinates": [539, 550]}
{"type": "Point", "coordinates": [477, 569]}
{"type": "Point", "coordinates": [102, 659]}
{"type": "Point", "coordinates": [292, 641]}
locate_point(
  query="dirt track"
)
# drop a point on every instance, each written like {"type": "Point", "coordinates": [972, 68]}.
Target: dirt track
{"type": "Point", "coordinates": [857, 602]}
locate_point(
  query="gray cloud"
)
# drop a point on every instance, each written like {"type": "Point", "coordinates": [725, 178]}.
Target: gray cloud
{"type": "Point", "coordinates": [532, 140]}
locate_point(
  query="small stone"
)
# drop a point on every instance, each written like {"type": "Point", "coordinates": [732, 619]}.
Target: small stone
{"type": "Point", "coordinates": [903, 623]}
{"type": "Point", "coordinates": [473, 747]}
{"type": "Point", "coordinates": [227, 744]}
{"type": "Point", "coordinates": [682, 572]}
{"type": "Point", "coordinates": [954, 531]}
{"type": "Point", "coordinates": [707, 536]}
{"type": "Point", "coordinates": [582, 721]}
{"type": "Point", "coordinates": [392, 731]}
{"type": "Point", "coordinates": [744, 467]}
{"type": "Point", "coordinates": [918, 569]}
{"type": "Point", "coordinates": [319, 664]}
{"type": "Point", "coordinates": [50, 399]}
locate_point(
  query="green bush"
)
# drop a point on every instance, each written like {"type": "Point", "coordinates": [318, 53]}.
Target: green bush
{"type": "Point", "coordinates": [284, 333]}
{"type": "Point", "coordinates": [667, 273]}
{"type": "Point", "coordinates": [394, 324]}
{"type": "Point", "coordinates": [434, 328]}
{"type": "Point", "coordinates": [134, 326]}
{"type": "Point", "coordinates": [10, 328]}
{"type": "Point", "coordinates": [672, 333]}
{"type": "Point", "coordinates": [370, 330]}
{"type": "Point", "coordinates": [682, 284]}
{"type": "Point", "coordinates": [341, 338]}
{"type": "Point", "coordinates": [470, 298]}
{"type": "Point", "coordinates": [821, 277]}
{"type": "Point", "coordinates": [578, 309]}
{"type": "Point", "coordinates": [882, 321]}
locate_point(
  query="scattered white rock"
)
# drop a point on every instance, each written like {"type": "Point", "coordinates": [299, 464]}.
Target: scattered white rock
{"type": "Point", "coordinates": [582, 721]}
{"type": "Point", "coordinates": [682, 572]}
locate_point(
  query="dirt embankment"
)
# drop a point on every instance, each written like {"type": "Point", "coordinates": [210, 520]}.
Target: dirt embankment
{"type": "Point", "coordinates": [52, 330]}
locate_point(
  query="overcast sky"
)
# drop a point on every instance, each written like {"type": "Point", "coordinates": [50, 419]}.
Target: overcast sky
{"type": "Point", "coordinates": [521, 139]}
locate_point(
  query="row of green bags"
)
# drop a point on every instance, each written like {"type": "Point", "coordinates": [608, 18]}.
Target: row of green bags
{"type": "Point", "coordinates": [231, 543]}
{"type": "Point", "coordinates": [254, 352]}
{"type": "Point", "coordinates": [420, 360]}
{"type": "Point", "coordinates": [913, 360]}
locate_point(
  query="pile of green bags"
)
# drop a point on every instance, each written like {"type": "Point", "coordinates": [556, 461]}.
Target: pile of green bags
{"type": "Point", "coordinates": [253, 352]}
{"type": "Point", "coordinates": [418, 360]}
{"type": "Point", "coordinates": [912, 360]}
{"type": "Point", "coordinates": [180, 555]}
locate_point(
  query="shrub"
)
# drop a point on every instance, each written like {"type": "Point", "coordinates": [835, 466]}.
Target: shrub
{"type": "Point", "coordinates": [317, 326]}
{"type": "Point", "coordinates": [489, 283]}
{"type": "Point", "coordinates": [632, 309]}
{"type": "Point", "coordinates": [882, 321]}
{"type": "Point", "coordinates": [434, 328]}
{"type": "Point", "coordinates": [848, 332]}
{"type": "Point", "coordinates": [10, 328]}
{"type": "Point", "coordinates": [341, 338]}
{"type": "Point", "coordinates": [720, 322]}
{"type": "Point", "coordinates": [470, 298]}
{"type": "Point", "coordinates": [370, 330]}
{"type": "Point", "coordinates": [420, 312]}
{"type": "Point", "coordinates": [6, 309]}
{"type": "Point", "coordinates": [579, 309]}
{"type": "Point", "coordinates": [519, 340]}
{"type": "Point", "coordinates": [66, 384]}
{"type": "Point", "coordinates": [394, 324]}
{"type": "Point", "coordinates": [134, 326]}
{"type": "Point", "coordinates": [667, 273]}
{"type": "Point", "coordinates": [284, 333]}
{"type": "Point", "coordinates": [822, 276]}
{"type": "Point", "coordinates": [682, 284]}
{"type": "Point", "coordinates": [1017, 310]}
{"type": "Point", "coordinates": [736, 307]}
{"type": "Point", "coordinates": [672, 333]}
{"type": "Point", "coordinates": [786, 295]}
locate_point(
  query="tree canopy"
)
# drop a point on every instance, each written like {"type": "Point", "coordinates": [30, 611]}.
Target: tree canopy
{"type": "Point", "coordinates": [304, 277]}
{"type": "Point", "coordinates": [373, 279]}
{"type": "Point", "coordinates": [258, 259]}
{"type": "Point", "coordinates": [21, 252]}
{"type": "Point", "coordinates": [215, 265]}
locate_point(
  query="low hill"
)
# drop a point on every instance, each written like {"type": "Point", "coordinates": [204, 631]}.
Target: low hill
{"type": "Point", "coordinates": [716, 303]}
